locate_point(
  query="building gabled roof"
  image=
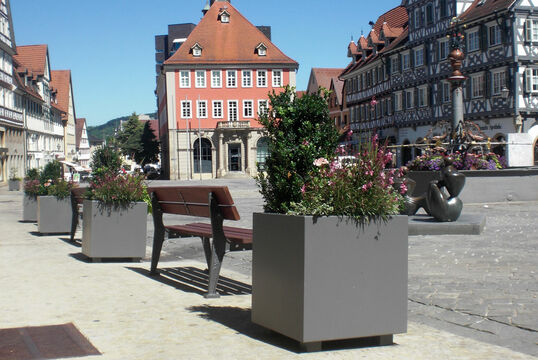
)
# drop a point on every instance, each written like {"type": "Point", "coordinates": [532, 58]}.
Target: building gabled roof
{"type": "Point", "coordinates": [395, 18]}
{"type": "Point", "coordinates": [20, 84]}
{"type": "Point", "coordinates": [481, 8]}
{"type": "Point", "coordinates": [323, 76]}
{"type": "Point", "coordinates": [61, 82]}
{"type": "Point", "coordinates": [363, 43]}
{"type": "Point", "coordinates": [338, 86]}
{"type": "Point", "coordinates": [228, 43]}
{"type": "Point", "coordinates": [390, 32]}
{"type": "Point", "coordinates": [32, 58]}
{"type": "Point", "coordinates": [80, 124]}
{"type": "Point", "coordinates": [396, 42]}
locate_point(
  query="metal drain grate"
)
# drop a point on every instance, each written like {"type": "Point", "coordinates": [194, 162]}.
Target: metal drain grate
{"type": "Point", "coordinates": [44, 342]}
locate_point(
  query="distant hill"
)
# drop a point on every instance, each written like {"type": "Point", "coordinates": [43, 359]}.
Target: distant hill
{"type": "Point", "coordinates": [107, 129]}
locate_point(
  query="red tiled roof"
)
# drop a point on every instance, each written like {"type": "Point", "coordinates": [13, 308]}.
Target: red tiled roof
{"type": "Point", "coordinates": [352, 48]}
{"type": "Point", "coordinates": [32, 57]}
{"type": "Point", "coordinates": [482, 8]}
{"type": "Point", "coordinates": [403, 36]}
{"type": "Point", "coordinates": [61, 82]}
{"type": "Point", "coordinates": [227, 43]}
{"type": "Point", "coordinates": [391, 32]}
{"type": "Point", "coordinates": [396, 17]}
{"type": "Point", "coordinates": [26, 89]}
{"type": "Point", "coordinates": [363, 43]}
{"type": "Point", "coordinates": [79, 126]}
{"type": "Point", "coordinates": [338, 88]}
{"type": "Point", "coordinates": [324, 75]}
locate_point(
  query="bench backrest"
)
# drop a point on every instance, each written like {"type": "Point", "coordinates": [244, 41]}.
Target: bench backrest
{"type": "Point", "coordinates": [194, 200]}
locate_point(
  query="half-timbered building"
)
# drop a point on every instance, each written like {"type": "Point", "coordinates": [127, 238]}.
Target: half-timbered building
{"type": "Point", "coordinates": [500, 92]}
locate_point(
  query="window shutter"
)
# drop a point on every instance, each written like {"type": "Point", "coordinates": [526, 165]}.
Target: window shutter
{"type": "Point", "coordinates": [429, 98]}
{"type": "Point", "coordinates": [528, 80]}
{"type": "Point", "coordinates": [400, 67]}
{"type": "Point", "coordinates": [412, 58]}
{"type": "Point", "coordinates": [438, 54]}
{"type": "Point", "coordinates": [415, 102]}
{"type": "Point", "coordinates": [483, 37]}
{"type": "Point", "coordinates": [387, 66]}
{"type": "Point", "coordinates": [504, 31]}
{"type": "Point", "coordinates": [426, 54]}
{"type": "Point", "coordinates": [508, 80]}
{"type": "Point", "coordinates": [404, 100]}
{"type": "Point", "coordinates": [469, 89]}
{"type": "Point", "coordinates": [528, 30]}
{"type": "Point", "coordinates": [393, 102]}
{"type": "Point", "coordinates": [487, 84]}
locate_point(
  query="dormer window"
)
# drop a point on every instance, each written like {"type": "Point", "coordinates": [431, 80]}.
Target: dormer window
{"type": "Point", "coordinates": [261, 49]}
{"type": "Point", "coordinates": [224, 16]}
{"type": "Point", "coordinates": [196, 50]}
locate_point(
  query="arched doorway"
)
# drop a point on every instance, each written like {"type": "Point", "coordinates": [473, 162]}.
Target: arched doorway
{"type": "Point", "coordinates": [406, 153]}
{"type": "Point", "coordinates": [202, 155]}
{"type": "Point", "coordinates": [262, 152]}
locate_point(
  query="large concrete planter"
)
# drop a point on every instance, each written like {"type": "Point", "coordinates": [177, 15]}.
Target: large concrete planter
{"type": "Point", "coordinates": [109, 232]}
{"type": "Point", "coordinates": [318, 279]}
{"type": "Point", "coordinates": [53, 215]}
{"type": "Point", "coordinates": [29, 208]}
{"type": "Point", "coordinates": [14, 185]}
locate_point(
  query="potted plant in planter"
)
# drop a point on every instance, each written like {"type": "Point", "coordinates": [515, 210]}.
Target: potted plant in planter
{"type": "Point", "coordinates": [32, 189]}
{"type": "Point", "coordinates": [54, 207]}
{"type": "Point", "coordinates": [329, 253]}
{"type": "Point", "coordinates": [115, 217]}
{"type": "Point", "coordinates": [14, 182]}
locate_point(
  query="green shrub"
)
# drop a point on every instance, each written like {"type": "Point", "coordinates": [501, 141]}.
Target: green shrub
{"type": "Point", "coordinates": [300, 131]}
{"type": "Point", "coordinates": [51, 171]}
{"type": "Point", "coordinates": [105, 160]}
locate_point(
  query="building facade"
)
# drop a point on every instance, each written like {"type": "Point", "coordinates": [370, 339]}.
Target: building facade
{"type": "Point", "coordinates": [62, 86]}
{"type": "Point", "coordinates": [210, 92]}
{"type": "Point", "coordinates": [83, 152]}
{"type": "Point", "coordinates": [12, 144]}
{"type": "Point", "coordinates": [397, 84]}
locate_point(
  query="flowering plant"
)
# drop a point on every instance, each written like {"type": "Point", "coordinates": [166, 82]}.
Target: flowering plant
{"type": "Point", "coordinates": [358, 186]}
{"type": "Point", "coordinates": [435, 161]}
{"type": "Point", "coordinates": [118, 190]}
{"type": "Point", "coordinates": [59, 188]}
{"type": "Point", "coordinates": [34, 188]}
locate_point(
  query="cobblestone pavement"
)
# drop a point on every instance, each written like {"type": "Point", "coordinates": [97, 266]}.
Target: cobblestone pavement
{"type": "Point", "coordinates": [481, 286]}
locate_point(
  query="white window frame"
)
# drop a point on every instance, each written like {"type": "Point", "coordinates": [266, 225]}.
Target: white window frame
{"type": "Point", "coordinates": [394, 66]}
{"type": "Point", "coordinates": [200, 80]}
{"type": "Point", "coordinates": [494, 36]}
{"type": "Point", "coordinates": [473, 40]}
{"type": "Point", "coordinates": [280, 83]}
{"type": "Point", "coordinates": [230, 108]}
{"type": "Point", "coordinates": [477, 86]}
{"type": "Point", "coordinates": [419, 57]}
{"type": "Point", "coordinates": [184, 81]}
{"type": "Point", "coordinates": [248, 112]}
{"type": "Point", "coordinates": [216, 81]}
{"type": "Point", "coordinates": [422, 96]}
{"type": "Point", "coordinates": [531, 30]}
{"type": "Point", "coordinates": [186, 109]}
{"type": "Point", "coordinates": [217, 108]}
{"type": "Point", "coordinates": [231, 81]}
{"type": "Point", "coordinates": [409, 99]}
{"type": "Point", "coordinates": [498, 82]}
{"type": "Point", "coordinates": [246, 81]}
{"type": "Point", "coordinates": [531, 80]}
{"type": "Point", "coordinates": [406, 64]}
{"type": "Point", "coordinates": [261, 81]}
{"type": "Point", "coordinates": [398, 96]}
{"type": "Point", "coordinates": [263, 107]}
{"type": "Point", "coordinates": [443, 45]}
{"type": "Point", "coordinates": [447, 93]}
{"type": "Point", "coordinates": [201, 109]}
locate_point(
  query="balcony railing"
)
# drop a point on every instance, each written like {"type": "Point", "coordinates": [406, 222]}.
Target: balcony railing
{"type": "Point", "coordinates": [12, 115]}
{"type": "Point", "coordinates": [233, 125]}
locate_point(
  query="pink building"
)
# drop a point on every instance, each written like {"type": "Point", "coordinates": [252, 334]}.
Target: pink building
{"type": "Point", "coordinates": [210, 92]}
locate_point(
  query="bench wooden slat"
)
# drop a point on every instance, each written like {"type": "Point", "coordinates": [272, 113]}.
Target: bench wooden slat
{"type": "Point", "coordinates": [233, 234]}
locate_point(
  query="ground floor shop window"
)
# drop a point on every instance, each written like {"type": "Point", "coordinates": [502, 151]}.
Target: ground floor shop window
{"type": "Point", "coordinates": [262, 152]}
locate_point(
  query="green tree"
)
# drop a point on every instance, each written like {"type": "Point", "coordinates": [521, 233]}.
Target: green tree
{"type": "Point", "coordinates": [129, 137]}
{"type": "Point", "coordinates": [300, 131]}
{"type": "Point", "coordinates": [51, 171]}
{"type": "Point", "coordinates": [149, 152]}
{"type": "Point", "coordinates": [105, 160]}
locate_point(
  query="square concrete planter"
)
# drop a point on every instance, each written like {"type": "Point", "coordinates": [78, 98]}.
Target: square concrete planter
{"type": "Point", "coordinates": [29, 208]}
{"type": "Point", "coordinates": [53, 215]}
{"type": "Point", "coordinates": [327, 278]}
{"type": "Point", "coordinates": [109, 232]}
{"type": "Point", "coordinates": [14, 185]}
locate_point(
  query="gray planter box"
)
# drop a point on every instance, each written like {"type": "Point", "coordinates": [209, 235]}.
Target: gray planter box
{"type": "Point", "coordinates": [53, 215]}
{"type": "Point", "coordinates": [319, 279]}
{"type": "Point", "coordinates": [108, 232]}
{"type": "Point", "coordinates": [14, 185]}
{"type": "Point", "coordinates": [29, 208]}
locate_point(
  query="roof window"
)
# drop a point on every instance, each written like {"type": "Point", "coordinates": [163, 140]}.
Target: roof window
{"type": "Point", "coordinates": [224, 16]}
{"type": "Point", "coordinates": [196, 50]}
{"type": "Point", "coordinates": [261, 49]}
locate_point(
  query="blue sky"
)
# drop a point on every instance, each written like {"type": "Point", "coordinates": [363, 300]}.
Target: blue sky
{"type": "Point", "coordinates": [109, 44]}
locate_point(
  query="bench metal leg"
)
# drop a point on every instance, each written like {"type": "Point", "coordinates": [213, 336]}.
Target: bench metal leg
{"type": "Point", "coordinates": [74, 218]}
{"type": "Point", "coordinates": [217, 254]}
{"type": "Point", "coordinates": [207, 251]}
{"type": "Point", "coordinates": [158, 235]}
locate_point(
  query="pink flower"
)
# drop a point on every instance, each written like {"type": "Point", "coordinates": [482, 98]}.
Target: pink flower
{"type": "Point", "coordinates": [303, 188]}
{"type": "Point", "coordinates": [364, 187]}
{"type": "Point", "coordinates": [305, 143]}
{"type": "Point", "coordinates": [403, 188]}
{"type": "Point", "coordinates": [320, 162]}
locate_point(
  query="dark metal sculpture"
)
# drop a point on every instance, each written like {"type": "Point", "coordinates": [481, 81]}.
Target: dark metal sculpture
{"type": "Point", "coordinates": [436, 202]}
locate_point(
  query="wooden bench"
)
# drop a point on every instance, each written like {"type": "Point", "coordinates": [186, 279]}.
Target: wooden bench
{"type": "Point", "coordinates": [213, 202]}
{"type": "Point", "coordinates": [77, 197]}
